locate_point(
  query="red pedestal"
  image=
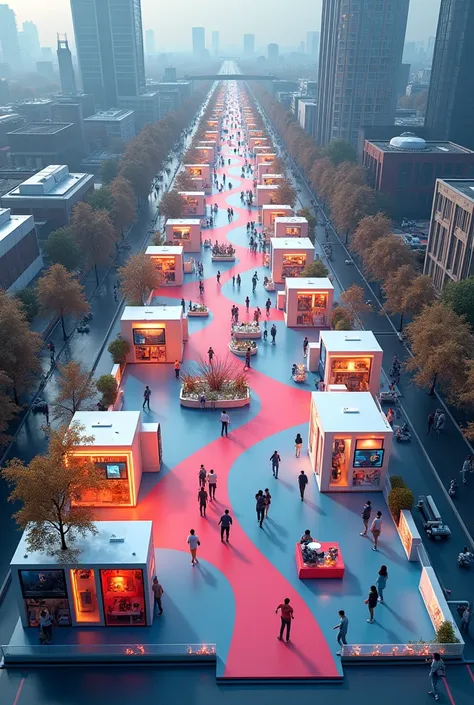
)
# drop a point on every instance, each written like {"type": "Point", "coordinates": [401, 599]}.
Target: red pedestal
{"type": "Point", "coordinates": [322, 572]}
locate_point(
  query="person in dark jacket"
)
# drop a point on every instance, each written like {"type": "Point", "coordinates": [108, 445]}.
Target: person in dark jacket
{"type": "Point", "coordinates": [260, 507]}
{"type": "Point", "coordinates": [302, 482]}
{"type": "Point", "coordinates": [202, 499]}
{"type": "Point", "coordinates": [371, 602]}
{"type": "Point", "coordinates": [225, 522]}
{"type": "Point", "coordinates": [275, 458]}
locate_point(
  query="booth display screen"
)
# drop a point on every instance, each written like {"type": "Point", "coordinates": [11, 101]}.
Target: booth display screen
{"type": "Point", "coordinates": [354, 372]}
{"type": "Point", "coordinates": [293, 265]}
{"type": "Point", "coordinates": [368, 459]}
{"type": "Point", "coordinates": [166, 266]}
{"type": "Point", "coordinates": [43, 583]}
{"type": "Point", "coordinates": [183, 234]}
{"type": "Point", "coordinates": [311, 309]}
{"type": "Point", "coordinates": [293, 231]}
{"type": "Point", "coordinates": [191, 206]}
{"type": "Point", "coordinates": [124, 597]}
{"type": "Point", "coordinates": [115, 470]}
{"type": "Point", "coordinates": [275, 214]}
{"type": "Point", "coordinates": [195, 171]}
{"type": "Point", "coordinates": [149, 336]}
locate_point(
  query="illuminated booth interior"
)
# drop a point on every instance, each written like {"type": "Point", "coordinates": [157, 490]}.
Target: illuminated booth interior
{"type": "Point", "coordinates": [200, 171]}
{"type": "Point", "coordinates": [185, 232]}
{"type": "Point", "coordinates": [254, 142]}
{"type": "Point", "coordinates": [289, 257]}
{"type": "Point", "coordinates": [295, 226]}
{"type": "Point", "coordinates": [168, 261]}
{"type": "Point", "coordinates": [109, 585]}
{"type": "Point", "coordinates": [271, 211]}
{"type": "Point", "coordinates": [349, 441]}
{"type": "Point", "coordinates": [210, 144]}
{"type": "Point", "coordinates": [263, 169]}
{"type": "Point", "coordinates": [266, 195]}
{"type": "Point", "coordinates": [308, 302]}
{"type": "Point", "coordinates": [272, 179]}
{"type": "Point", "coordinates": [195, 203]}
{"type": "Point", "coordinates": [123, 448]}
{"type": "Point", "coordinates": [352, 360]}
{"type": "Point", "coordinates": [155, 333]}
{"type": "Point", "coordinates": [206, 154]}
{"type": "Point", "coordinates": [264, 157]}
{"type": "Point", "coordinates": [211, 135]}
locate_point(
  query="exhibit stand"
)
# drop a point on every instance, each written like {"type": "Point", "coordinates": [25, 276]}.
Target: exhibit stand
{"type": "Point", "coordinates": [274, 210]}
{"type": "Point", "coordinates": [108, 585]}
{"type": "Point", "coordinates": [254, 142]}
{"type": "Point", "coordinates": [154, 333]}
{"type": "Point", "coordinates": [122, 448]}
{"type": "Point", "coordinates": [168, 261]}
{"type": "Point", "coordinates": [272, 179]}
{"type": "Point", "coordinates": [308, 302]}
{"type": "Point", "coordinates": [350, 442]}
{"type": "Point", "coordinates": [294, 226]}
{"type": "Point", "coordinates": [265, 157]}
{"type": "Point", "coordinates": [266, 195]}
{"type": "Point", "coordinates": [206, 155]}
{"type": "Point", "coordinates": [185, 232]}
{"type": "Point", "coordinates": [289, 257]}
{"type": "Point", "coordinates": [352, 359]}
{"type": "Point", "coordinates": [195, 203]}
{"type": "Point", "coordinates": [200, 171]}
{"type": "Point", "coordinates": [211, 144]}
{"type": "Point", "coordinates": [261, 170]}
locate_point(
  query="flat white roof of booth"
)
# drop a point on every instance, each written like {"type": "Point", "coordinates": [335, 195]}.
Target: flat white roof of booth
{"type": "Point", "coordinates": [97, 549]}
{"type": "Point", "coordinates": [273, 176]}
{"type": "Point", "coordinates": [275, 206]}
{"type": "Point", "coordinates": [350, 341]}
{"type": "Point", "coordinates": [109, 428]}
{"type": "Point", "coordinates": [291, 219]}
{"type": "Point", "coordinates": [265, 187]}
{"type": "Point", "coordinates": [349, 412]}
{"type": "Point", "coordinates": [183, 221]}
{"type": "Point", "coordinates": [192, 193]}
{"type": "Point", "coordinates": [157, 250]}
{"type": "Point", "coordinates": [143, 314]}
{"type": "Point", "coordinates": [291, 243]}
{"type": "Point", "coordinates": [309, 283]}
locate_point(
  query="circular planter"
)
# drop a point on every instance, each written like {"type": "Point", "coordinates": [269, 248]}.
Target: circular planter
{"type": "Point", "coordinates": [242, 353]}
{"type": "Point", "coordinates": [198, 314]}
{"type": "Point", "coordinates": [247, 335]}
{"type": "Point", "coordinates": [218, 404]}
{"type": "Point", "coordinates": [223, 258]}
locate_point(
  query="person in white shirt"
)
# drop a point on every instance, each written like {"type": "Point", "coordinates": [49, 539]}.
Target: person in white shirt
{"type": "Point", "coordinates": [375, 529]}
{"type": "Point", "coordinates": [212, 481]}
{"type": "Point", "coordinates": [225, 421]}
{"type": "Point", "coordinates": [193, 542]}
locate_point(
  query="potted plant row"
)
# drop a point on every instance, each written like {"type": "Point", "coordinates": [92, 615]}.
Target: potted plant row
{"type": "Point", "coordinates": [240, 347]}
{"type": "Point", "coordinates": [246, 331]}
{"type": "Point", "coordinates": [198, 311]}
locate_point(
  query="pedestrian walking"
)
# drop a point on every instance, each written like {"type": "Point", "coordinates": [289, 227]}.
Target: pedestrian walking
{"type": "Point", "coordinates": [146, 397]}
{"type": "Point", "coordinates": [46, 413]}
{"type": "Point", "coordinates": [287, 613]}
{"type": "Point", "coordinates": [183, 305]}
{"type": "Point", "coordinates": [342, 628]}
{"type": "Point", "coordinates": [268, 305]}
{"type": "Point", "coordinates": [376, 529]}
{"type": "Point", "coordinates": [467, 466]}
{"type": "Point", "coordinates": [273, 332]}
{"type": "Point", "coordinates": [212, 484]}
{"type": "Point", "coordinates": [225, 421]}
{"type": "Point", "coordinates": [157, 594]}
{"type": "Point", "coordinates": [381, 582]}
{"type": "Point", "coordinates": [305, 346]}
{"type": "Point", "coordinates": [268, 501]}
{"type": "Point", "coordinates": [466, 620]}
{"type": "Point", "coordinates": [390, 416]}
{"type": "Point", "coordinates": [440, 422]}
{"type": "Point", "coordinates": [247, 359]}
{"type": "Point", "coordinates": [247, 303]}
{"type": "Point", "coordinates": [177, 368]}
{"type": "Point", "coordinates": [52, 351]}
{"type": "Point", "coordinates": [233, 280]}
{"type": "Point", "coordinates": [210, 354]}
{"type": "Point", "coordinates": [193, 543]}
{"type": "Point", "coordinates": [302, 482]}
{"type": "Point", "coordinates": [115, 292]}
{"type": "Point", "coordinates": [239, 281]}
{"type": "Point", "coordinates": [371, 602]}
{"type": "Point", "coordinates": [366, 512]}
{"type": "Point", "coordinates": [225, 522]}
{"type": "Point", "coordinates": [46, 626]}
{"type": "Point", "coordinates": [218, 277]}
{"type": "Point", "coordinates": [298, 444]}
{"type": "Point", "coordinates": [430, 421]}
{"type": "Point", "coordinates": [202, 475]}
{"type": "Point", "coordinates": [437, 671]}
{"type": "Point", "coordinates": [306, 538]}
{"type": "Point", "coordinates": [260, 507]}
{"type": "Point", "coordinates": [275, 460]}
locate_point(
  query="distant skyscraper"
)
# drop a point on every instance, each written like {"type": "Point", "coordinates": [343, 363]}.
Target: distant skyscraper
{"type": "Point", "coordinates": [312, 44]}
{"type": "Point", "coordinates": [29, 42]}
{"type": "Point", "coordinates": [199, 42]}
{"type": "Point", "coordinates": [10, 48]}
{"type": "Point", "coordinates": [215, 43]}
{"type": "Point", "coordinates": [109, 44]}
{"type": "Point", "coordinates": [249, 44]}
{"type": "Point", "coordinates": [359, 60]}
{"type": "Point", "coordinates": [149, 42]}
{"type": "Point", "coordinates": [66, 69]}
{"type": "Point", "coordinates": [450, 109]}
{"type": "Point", "coordinates": [273, 51]}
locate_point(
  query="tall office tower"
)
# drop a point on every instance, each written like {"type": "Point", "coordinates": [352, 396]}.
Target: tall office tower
{"type": "Point", "coordinates": [312, 44]}
{"type": "Point", "coordinates": [29, 42]}
{"type": "Point", "coordinates": [215, 43]}
{"type": "Point", "coordinates": [150, 42]}
{"type": "Point", "coordinates": [9, 46]}
{"type": "Point", "coordinates": [109, 44]}
{"type": "Point", "coordinates": [66, 69]}
{"type": "Point", "coordinates": [272, 54]}
{"type": "Point", "coordinates": [199, 42]}
{"type": "Point", "coordinates": [450, 108]}
{"type": "Point", "coordinates": [359, 60]}
{"type": "Point", "coordinates": [249, 44]}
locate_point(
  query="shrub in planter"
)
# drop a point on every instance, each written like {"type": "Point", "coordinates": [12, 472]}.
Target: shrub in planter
{"type": "Point", "coordinates": [445, 634]}
{"type": "Point", "coordinates": [397, 481]}
{"type": "Point", "coordinates": [400, 498]}
{"type": "Point", "coordinates": [119, 349]}
{"type": "Point", "coordinates": [107, 386]}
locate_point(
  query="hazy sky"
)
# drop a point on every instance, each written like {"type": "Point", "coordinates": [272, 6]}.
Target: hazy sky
{"type": "Point", "coordinates": [282, 21]}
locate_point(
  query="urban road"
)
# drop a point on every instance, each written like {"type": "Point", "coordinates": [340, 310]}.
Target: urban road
{"type": "Point", "coordinates": [439, 457]}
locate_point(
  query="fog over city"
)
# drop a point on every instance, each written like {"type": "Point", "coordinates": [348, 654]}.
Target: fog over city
{"type": "Point", "coordinates": [172, 21]}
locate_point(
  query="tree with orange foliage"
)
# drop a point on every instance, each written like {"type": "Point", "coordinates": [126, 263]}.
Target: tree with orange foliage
{"type": "Point", "coordinates": [48, 489]}
{"type": "Point", "coordinates": [95, 235]}
{"type": "Point", "coordinates": [369, 229]}
{"type": "Point", "coordinates": [286, 194]}
{"type": "Point", "coordinates": [76, 391]}
{"type": "Point", "coordinates": [407, 293]}
{"type": "Point", "coordinates": [60, 292]}
{"type": "Point", "coordinates": [354, 303]}
{"type": "Point", "coordinates": [349, 204]}
{"type": "Point", "coordinates": [138, 277]}
{"type": "Point", "coordinates": [123, 207]}
{"type": "Point", "coordinates": [8, 408]}
{"type": "Point", "coordinates": [172, 205]}
{"type": "Point", "coordinates": [386, 255]}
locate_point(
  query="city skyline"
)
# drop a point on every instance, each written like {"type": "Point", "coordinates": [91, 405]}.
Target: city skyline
{"type": "Point", "coordinates": [179, 18]}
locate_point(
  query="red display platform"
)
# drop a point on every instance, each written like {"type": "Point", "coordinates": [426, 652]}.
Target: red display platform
{"type": "Point", "coordinates": [324, 572]}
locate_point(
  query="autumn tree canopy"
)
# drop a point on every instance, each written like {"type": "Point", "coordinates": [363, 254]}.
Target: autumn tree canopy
{"type": "Point", "coordinates": [172, 205]}
{"type": "Point", "coordinates": [60, 292]}
{"type": "Point", "coordinates": [76, 391]}
{"type": "Point", "coordinates": [95, 235]}
{"type": "Point", "coordinates": [138, 277]}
